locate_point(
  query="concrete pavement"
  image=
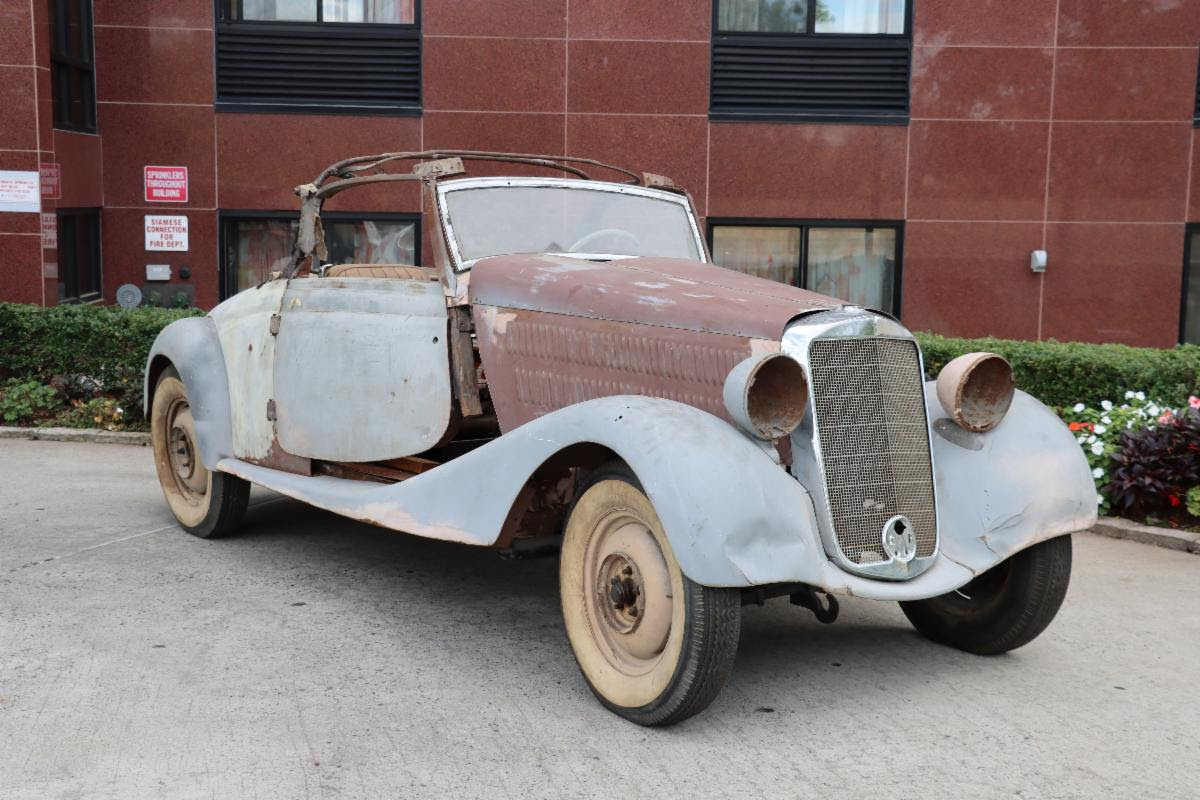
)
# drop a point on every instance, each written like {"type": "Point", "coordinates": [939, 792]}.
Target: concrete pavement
{"type": "Point", "coordinates": [315, 657]}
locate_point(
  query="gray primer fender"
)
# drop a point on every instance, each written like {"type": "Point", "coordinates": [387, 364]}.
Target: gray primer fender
{"type": "Point", "coordinates": [192, 346]}
{"type": "Point", "coordinates": [999, 492]}
{"type": "Point", "coordinates": [733, 515]}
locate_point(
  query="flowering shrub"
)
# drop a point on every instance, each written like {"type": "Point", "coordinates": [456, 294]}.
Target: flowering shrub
{"type": "Point", "coordinates": [99, 412]}
{"type": "Point", "coordinates": [1099, 430]}
{"type": "Point", "coordinates": [1156, 467]}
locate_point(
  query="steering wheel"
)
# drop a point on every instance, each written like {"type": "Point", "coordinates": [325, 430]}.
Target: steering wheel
{"type": "Point", "coordinates": [581, 244]}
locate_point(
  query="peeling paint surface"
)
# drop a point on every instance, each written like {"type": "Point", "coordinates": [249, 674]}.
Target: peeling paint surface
{"type": "Point", "coordinates": [362, 368]}
{"type": "Point", "coordinates": [733, 516]}
{"type": "Point", "coordinates": [659, 292]}
{"type": "Point", "coordinates": [537, 362]}
{"type": "Point", "coordinates": [244, 327]}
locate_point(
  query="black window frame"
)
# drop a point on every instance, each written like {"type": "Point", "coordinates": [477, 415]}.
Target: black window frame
{"type": "Point", "coordinates": [832, 45]}
{"type": "Point", "coordinates": [65, 64]}
{"type": "Point", "coordinates": [69, 269]}
{"type": "Point", "coordinates": [1196, 111]}
{"type": "Point", "coordinates": [294, 47]}
{"type": "Point", "coordinates": [1191, 231]}
{"type": "Point", "coordinates": [226, 279]}
{"type": "Point", "coordinates": [806, 225]}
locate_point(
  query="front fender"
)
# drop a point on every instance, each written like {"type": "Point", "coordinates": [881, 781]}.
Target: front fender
{"type": "Point", "coordinates": [1000, 492]}
{"type": "Point", "coordinates": [734, 517]}
{"type": "Point", "coordinates": [191, 345]}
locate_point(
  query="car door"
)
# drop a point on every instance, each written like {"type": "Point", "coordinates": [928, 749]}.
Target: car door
{"type": "Point", "coordinates": [361, 368]}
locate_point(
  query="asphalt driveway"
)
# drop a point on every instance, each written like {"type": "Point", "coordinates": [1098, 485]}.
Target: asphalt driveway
{"type": "Point", "coordinates": [316, 657]}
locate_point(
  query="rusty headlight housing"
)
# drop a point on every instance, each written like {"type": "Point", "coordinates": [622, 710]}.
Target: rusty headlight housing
{"type": "Point", "coordinates": [976, 390]}
{"type": "Point", "coordinates": [767, 395]}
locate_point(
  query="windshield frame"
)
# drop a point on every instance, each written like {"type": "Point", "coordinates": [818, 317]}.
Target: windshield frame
{"type": "Point", "coordinates": [461, 184]}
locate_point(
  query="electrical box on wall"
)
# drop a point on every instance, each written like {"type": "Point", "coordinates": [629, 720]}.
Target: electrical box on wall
{"type": "Point", "coordinates": [158, 272]}
{"type": "Point", "coordinates": [1037, 261]}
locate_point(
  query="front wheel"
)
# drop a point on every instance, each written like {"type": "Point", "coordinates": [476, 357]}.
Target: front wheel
{"type": "Point", "coordinates": [1004, 608]}
{"type": "Point", "coordinates": [654, 646]}
{"type": "Point", "coordinates": [206, 504]}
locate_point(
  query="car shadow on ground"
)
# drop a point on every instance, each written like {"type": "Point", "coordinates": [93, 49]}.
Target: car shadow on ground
{"type": "Point", "coordinates": [409, 577]}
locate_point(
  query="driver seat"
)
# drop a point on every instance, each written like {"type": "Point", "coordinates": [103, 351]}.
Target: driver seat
{"type": "Point", "coordinates": [401, 271]}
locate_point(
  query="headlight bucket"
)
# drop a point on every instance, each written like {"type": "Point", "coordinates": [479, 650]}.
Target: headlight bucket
{"type": "Point", "coordinates": [767, 395]}
{"type": "Point", "coordinates": [976, 390]}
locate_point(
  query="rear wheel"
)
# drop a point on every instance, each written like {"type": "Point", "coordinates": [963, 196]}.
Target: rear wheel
{"type": "Point", "coordinates": [1004, 608]}
{"type": "Point", "coordinates": [206, 504]}
{"type": "Point", "coordinates": [654, 646]}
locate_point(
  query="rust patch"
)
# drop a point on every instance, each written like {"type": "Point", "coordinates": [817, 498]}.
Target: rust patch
{"type": "Point", "coordinates": [541, 362]}
{"type": "Point", "coordinates": [976, 390]}
{"type": "Point", "coordinates": [661, 292]}
{"type": "Point", "coordinates": [280, 459]}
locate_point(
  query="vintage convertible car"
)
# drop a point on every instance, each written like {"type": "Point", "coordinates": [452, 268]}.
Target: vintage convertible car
{"type": "Point", "coordinates": [574, 376]}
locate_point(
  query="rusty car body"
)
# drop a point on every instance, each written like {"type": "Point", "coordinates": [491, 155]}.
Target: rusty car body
{"type": "Point", "coordinates": [691, 438]}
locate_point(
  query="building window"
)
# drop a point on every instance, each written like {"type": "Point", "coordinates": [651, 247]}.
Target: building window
{"type": "Point", "coordinates": [72, 65]}
{"type": "Point", "coordinates": [1196, 113]}
{"type": "Point", "coordinates": [254, 244]}
{"type": "Point", "coordinates": [858, 262]}
{"type": "Point", "coordinates": [811, 60]}
{"type": "Point", "coordinates": [78, 255]}
{"type": "Point", "coordinates": [319, 56]}
{"type": "Point", "coordinates": [1189, 323]}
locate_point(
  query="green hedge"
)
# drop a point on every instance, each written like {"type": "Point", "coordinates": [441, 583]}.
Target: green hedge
{"type": "Point", "coordinates": [1065, 373]}
{"type": "Point", "coordinates": [105, 343]}
{"type": "Point", "coordinates": [109, 344]}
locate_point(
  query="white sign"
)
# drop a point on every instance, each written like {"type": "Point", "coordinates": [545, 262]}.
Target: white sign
{"type": "Point", "coordinates": [20, 191]}
{"type": "Point", "coordinates": [158, 272]}
{"type": "Point", "coordinates": [49, 269]}
{"type": "Point", "coordinates": [49, 231]}
{"type": "Point", "coordinates": [166, 234]}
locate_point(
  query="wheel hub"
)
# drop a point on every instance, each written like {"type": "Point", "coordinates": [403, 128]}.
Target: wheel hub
{"type": "Point", "coordinates": [182, 454]}
{"type": "Point", "coordinates": [630, 598]}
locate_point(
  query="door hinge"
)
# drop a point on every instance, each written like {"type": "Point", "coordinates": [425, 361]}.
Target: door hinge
{"type": "Point", "coordinates": [275, 320]}
{"type": "Point", "coordinates": [271, 410]}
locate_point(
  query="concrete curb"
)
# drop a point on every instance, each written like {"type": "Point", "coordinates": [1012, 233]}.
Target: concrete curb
{"type": "Point", "coordinates": [1117, 528]}
{"type": "Point", "coordinates": [76, 435]}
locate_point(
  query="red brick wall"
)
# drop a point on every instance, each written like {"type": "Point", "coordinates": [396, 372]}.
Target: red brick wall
{"type": "Point", "coordinates": [1030, 129]}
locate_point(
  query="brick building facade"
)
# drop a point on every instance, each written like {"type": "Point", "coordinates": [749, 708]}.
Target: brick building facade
{"type": "Point", "coordinates": [910, 155]}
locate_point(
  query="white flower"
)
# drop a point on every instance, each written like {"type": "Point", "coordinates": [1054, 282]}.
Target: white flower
{"type": "Point", "coordinates": [1106, 420]}
{"type": "Point", "coordinates": [1100, 429]}
{"type": "Point", "coordinates": [1130, 395]}
{"type": "Point", "coordinates": [1078, 407]}
{"type": "Point", "coordinates": [1098, 448]}
{"type": "Point", "coordinates": [1106, 405]}
{"type": "Point", "coordinates": [1140, 396]}
{"type": "Point", "coordinates": [1098, 473]}
{"type": "Point", "coordinates": [1099, 500]}
{"type": "Point", "coordinates": [1091, 439]}
{"type": "Point", "coordinates": [1153, 410]}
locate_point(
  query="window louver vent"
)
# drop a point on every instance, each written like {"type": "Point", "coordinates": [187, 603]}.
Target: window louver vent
{"type": "Point", "coordinates": [319, 68]}
{"type": "Point", "coordinates": [810, 79]}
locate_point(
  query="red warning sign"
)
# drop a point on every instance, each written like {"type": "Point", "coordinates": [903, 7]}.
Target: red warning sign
{"type": "Point", "coordinates": [166, 184]}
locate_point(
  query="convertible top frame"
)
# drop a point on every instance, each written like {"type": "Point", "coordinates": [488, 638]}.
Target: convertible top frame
{"type": "Point", "coordinates": [431, 165]}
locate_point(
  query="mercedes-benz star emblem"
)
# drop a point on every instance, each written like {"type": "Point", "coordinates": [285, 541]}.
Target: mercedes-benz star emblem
{"type": "Point", "coordinates": [900, 539]}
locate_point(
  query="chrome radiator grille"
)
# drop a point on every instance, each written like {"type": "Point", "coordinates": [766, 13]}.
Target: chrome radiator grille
{"type": "Point", "coordinates": [870, 419]}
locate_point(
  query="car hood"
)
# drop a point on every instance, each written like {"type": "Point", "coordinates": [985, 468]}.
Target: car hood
{"type": "Point", "coordinates": [667, 292]}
